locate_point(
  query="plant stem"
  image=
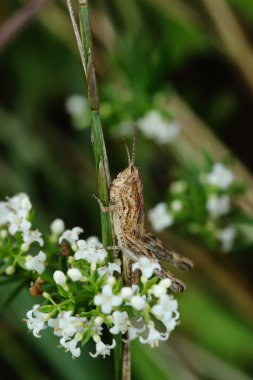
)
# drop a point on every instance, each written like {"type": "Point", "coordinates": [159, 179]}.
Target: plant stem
{"type": "Point", "coordinates": [97, 138]}
{"type": "Point", "coordinates": [101, 161]}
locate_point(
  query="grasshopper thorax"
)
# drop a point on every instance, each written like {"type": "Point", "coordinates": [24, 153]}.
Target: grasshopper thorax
{"type": "Point", "coordinates": [126, 178]}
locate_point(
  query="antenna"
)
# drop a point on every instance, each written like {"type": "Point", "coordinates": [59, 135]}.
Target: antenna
{"type": "Point", "coordinates": [134, 145]}
{"type": "Point", "coordinates": [128, 154]}
{"type": "Point", "coordinates": [77, 34]}
{"type": "Point", "coordinates": [131, 159]}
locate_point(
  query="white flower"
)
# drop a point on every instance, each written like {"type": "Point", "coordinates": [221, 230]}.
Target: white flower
{"type": "Point", "coordinates": [120, 321]}
{"type": "Point", "coordinates": [4, 211]}
{"type": "Point", "coordinates": [60, 279]}
{"type": "Point", "coordinates": [176, 205]}
{"type": "Point", "coordinates": [103, 349]}
{"type": "Point", "coordinates": [109, 270]}
{"type": "Point", "coordinates": [70, 345]}
{"type": "Point", "coordinates": [75, 274]}
{"type": "Point", "coordinates": [166, 310]}
{"type": "Point", "coordinates": [107, 300]}
{"type": "Point", "coordinates": [159, 217]}
{"type": "Point", "coordinates": [20, 204]}
{"type": "Point", "coordinates": [138, 302]}
{"type": "Point", "coordinates": [36, 323]}
{"type": "Point", "coordinates": [18, 207]}
{"type": "Point", "coordinates": [154, 336]}
{"type": "Point", "coordinates": [57, 227]}
{"type": "Point", "coordinates": [220, 176]}
{"type": "Point", "coordinates": [76, 105]}
{"type": "Point", "coordinates": [94, 242]}
{"type": "Point", "coordinates": [134, 332]}
{"type": "Point", "coordinates": [161, 288]}
{"type": "Point", "coordinates": [17, 223]}
{"type": "Point", "coordinates": [146, 266]}
{"type": "Point", "coordinates": [30, 237]}
{"type": "Point", "coordinates": [227, 237]}
{"type": "Point", "coordinates": [218, 206]}
{"type": "Point", "coordinates": [36, 263]}
{"type": "Point", "coordinates": [178, 187]}
{"type": "Point", "coordinates": [97, 328]}
{"type": "Point", "coordinates": [126, 292]}
{"type": "Point", "coordinates": [156, 127]}
{"type": "Point", "coordinates": [135, 288]}
{"type": "Point", "coordinates": [67, 325]}
{"type": "Point", "coordinates": [71, 235]}
{"type": "Point", "coordinates": [90, 250]}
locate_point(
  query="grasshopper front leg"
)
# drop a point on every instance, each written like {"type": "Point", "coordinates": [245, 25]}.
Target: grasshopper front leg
{"type": "Point", "coordinates": [104, 208]}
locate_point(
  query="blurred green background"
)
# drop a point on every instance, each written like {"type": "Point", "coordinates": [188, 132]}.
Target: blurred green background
{"type": "Point", "coordinates": [200, 51]}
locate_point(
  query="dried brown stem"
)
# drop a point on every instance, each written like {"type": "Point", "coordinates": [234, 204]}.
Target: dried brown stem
{"type": "Point", "coordinates": [19, 21]}
{"type": "Point", "coordinates": [235, 43]}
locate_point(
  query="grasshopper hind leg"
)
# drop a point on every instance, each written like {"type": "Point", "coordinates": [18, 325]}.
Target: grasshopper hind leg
{"type": "Point", "coordinates": [164, 253]}
{"type": "Point", "coordinates": [136, 249]}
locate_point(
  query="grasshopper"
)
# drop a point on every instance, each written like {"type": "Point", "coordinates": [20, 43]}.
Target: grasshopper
{"type": "Point", "coordinates": [126, 205]}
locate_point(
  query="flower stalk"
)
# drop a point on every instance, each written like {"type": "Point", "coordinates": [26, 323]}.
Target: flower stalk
{"type": "Point", "coordinates": [97, 138]}
{"type": "Point", "coordinates": [100, 154]}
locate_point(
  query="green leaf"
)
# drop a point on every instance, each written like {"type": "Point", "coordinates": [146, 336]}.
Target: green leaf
{"type": "Point", "coordinates": [47, 308]}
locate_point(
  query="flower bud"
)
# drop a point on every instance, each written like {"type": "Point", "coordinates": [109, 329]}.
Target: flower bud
{"type": "Point", "coordinates": [25, 247]}
{"type": "Point", "coordinates": [57, 227]}
{"type": "Point", "coordinates": [96, 338]}
{"type": "Point", "coordinates": [10, 270]}
{"type": "Point", "coordinates": [75, 274]}
{"type": "Point", "coordinates": [3, 234]}
{"type": "Point", "coordinates": [60, 279]}
{"type": "Point", "coordinates": [137, 302]}
{"type": "Point", "coordinates": [111, 280]}
{"type": "Point", "coordinates": [98, 321]}
{"type": "Point", "coordinates": [126, 292]}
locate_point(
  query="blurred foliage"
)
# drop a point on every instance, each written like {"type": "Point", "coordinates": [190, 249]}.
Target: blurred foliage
{"type": "Point", "coordinates": [143, 48]}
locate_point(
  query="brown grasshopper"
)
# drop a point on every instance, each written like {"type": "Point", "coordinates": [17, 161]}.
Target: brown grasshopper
{"type": "Point", "coordinates": [127, 207]}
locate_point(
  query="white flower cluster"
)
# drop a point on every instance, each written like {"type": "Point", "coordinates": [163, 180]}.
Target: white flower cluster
{"type": "Point", "coordinates": [220, 176]}
{"type": "Point", "coordinates": [15, 222]}
{"type": "Point", "coordinates": [163, 215]}
{"type": "Point", "coordinates": [203, 204]}
{"type": "Point", "coordinates": [156, 127]}
{"type": "Point", "coordinates": [160, 218]}
{"type": "Point", "coordinates": [219, 181]}
{"type": "Point", "coordinates": [84, 293]}
{"type": "Point", "coordinates": [107, 304]}
{"type": "Point", "coordinates": [14, 215]}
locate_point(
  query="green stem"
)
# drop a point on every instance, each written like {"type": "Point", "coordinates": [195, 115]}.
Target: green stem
{"type": "Point", "coordinates": [97, 138]}
{"type": "Point", "coordinates": [101, 161]}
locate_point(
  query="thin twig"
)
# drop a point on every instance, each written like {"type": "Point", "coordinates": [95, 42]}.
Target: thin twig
{"type": "Point", "coordinates": [77, 34]}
